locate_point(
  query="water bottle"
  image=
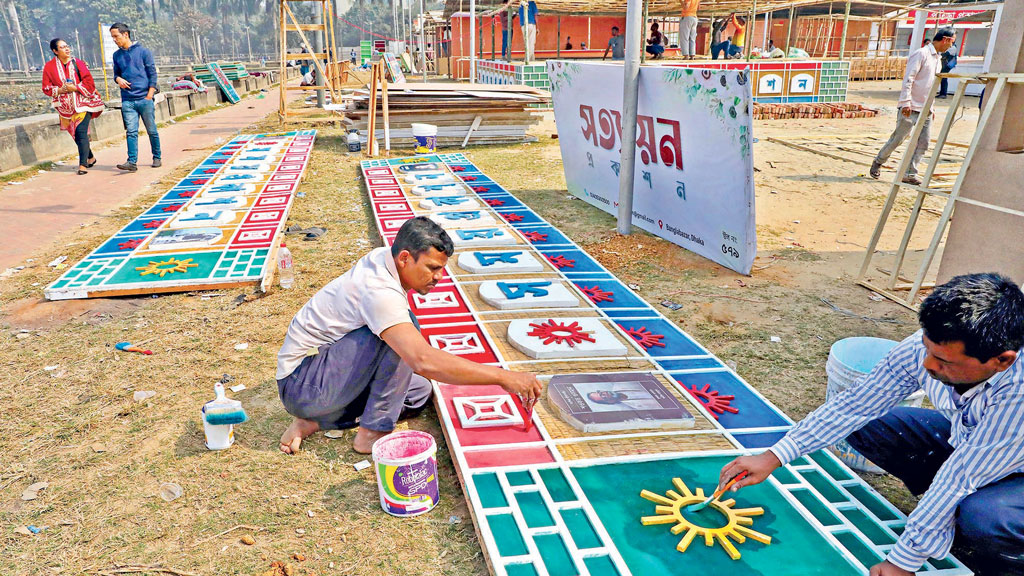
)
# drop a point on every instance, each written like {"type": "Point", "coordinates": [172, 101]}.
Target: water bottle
{"type": "Point", "coordinates": [285, 273]}
{"type": "Point", "coordinates": [353, 141]}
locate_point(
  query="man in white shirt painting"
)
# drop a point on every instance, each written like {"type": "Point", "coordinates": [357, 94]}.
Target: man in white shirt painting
{"type": "Point", "coordinates": [354, 356]}
{"type": "Point", "coordinates": [965, 457]}
{"type": "Point", "coordinates": [922, 66]}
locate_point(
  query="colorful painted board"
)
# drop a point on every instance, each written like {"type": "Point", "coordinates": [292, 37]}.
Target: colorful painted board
{"type": "Point", "coordinates": [549, 499]}
{"type": "Point", "coordinates": [223, 83]}
{"type": "Point", "coordinates": [394, 68]}
{"type": "Point", "coordinates": [216, 228]}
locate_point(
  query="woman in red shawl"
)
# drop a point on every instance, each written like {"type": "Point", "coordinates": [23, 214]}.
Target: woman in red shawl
{"type": "Point", "coordinates": [75, 99]}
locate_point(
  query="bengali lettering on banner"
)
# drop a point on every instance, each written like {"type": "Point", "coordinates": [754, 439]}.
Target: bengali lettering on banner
{"type": "Point", "coordinates": [694, 182]}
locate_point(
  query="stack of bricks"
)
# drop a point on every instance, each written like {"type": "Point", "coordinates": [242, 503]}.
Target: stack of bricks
{"type": "Point", "coordinates": [788, 111]}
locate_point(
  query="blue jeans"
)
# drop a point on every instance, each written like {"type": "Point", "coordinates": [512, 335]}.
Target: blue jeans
{"type": "Point", "coordinates": [506, 38]}
{"type": "Point", "coordinates": [655, 49]}
{"type": "Point", "coordinates": [911, 444]}
{"type": "Point", "coordinates": [721, 47]}
{"type": "Point", "coordinates": [131, 110]}
{"type": "Point", "coordinates": [358, 380]}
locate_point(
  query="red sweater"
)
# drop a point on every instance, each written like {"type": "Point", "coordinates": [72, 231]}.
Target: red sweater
{"type": "Point", "coordinates": [51, 77]}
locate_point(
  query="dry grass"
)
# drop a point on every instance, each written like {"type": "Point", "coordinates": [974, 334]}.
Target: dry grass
{"type": "Point", "coordinates": [103, 508]}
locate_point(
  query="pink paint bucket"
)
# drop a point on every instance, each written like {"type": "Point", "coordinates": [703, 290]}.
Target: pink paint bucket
{"type": "Point", "coordinates": [406, 465]}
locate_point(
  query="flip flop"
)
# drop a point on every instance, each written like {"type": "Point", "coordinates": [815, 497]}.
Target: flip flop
{"type": "Point", "coordinates": [314, 233]}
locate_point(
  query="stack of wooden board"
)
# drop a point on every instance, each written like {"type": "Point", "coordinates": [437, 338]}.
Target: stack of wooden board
{"type": "Point", "coordinates": [233, 71]}
{"type": "Point", "coordinates": [809, 110]}
{"type": "Point", "coordinates": [504, 111]}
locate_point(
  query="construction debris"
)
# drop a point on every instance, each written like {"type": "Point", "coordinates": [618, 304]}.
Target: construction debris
{"type": "Point", "coordinates": [504, 111]}
{"type": "Point", "coordinates": [788, 111]}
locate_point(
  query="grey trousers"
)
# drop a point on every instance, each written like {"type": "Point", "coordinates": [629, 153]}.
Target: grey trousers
{"type": "Point", "coordinates": [904, 126]}
{"type": "Point", "coordinates": [356, 381]}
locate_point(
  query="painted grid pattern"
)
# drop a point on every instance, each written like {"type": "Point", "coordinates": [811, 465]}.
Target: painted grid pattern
{"type": "Point", "coordinates": [774, 81]}
{"type": "Point", "coordinates": [223, 220]}
{"type": "Point", "coordinates": [499, 475]}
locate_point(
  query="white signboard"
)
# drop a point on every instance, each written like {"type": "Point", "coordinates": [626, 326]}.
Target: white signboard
{"type": "Point", "coordinates": [693, 183]}
{"type": "Point", "coordinates": [108, 44]}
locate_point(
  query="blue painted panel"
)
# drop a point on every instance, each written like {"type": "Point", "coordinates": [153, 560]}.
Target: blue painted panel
{"type": "Point", "coordinates": [753, 411]}
{"type": "Point", "coordinates": [620, 295]}
{"type": "Point", "coordinates": [759, 439]}
{"type": "Point", "coordinates": [676, 343]}
{"type": "Point", "coordinates": [578, 260]}
{"type": "Point", "coordinates": [549, 236]}
{"type": "Point", "coordinates": [113, 245]}
{"type": "Point", "coordinates": [691, 364]}
{"type": "Point", "coordinates": [520, 218]}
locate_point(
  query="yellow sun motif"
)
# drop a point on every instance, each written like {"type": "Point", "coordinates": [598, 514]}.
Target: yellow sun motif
{"type": "Point", "coordinates": [169, 266]}
{"type": "Point", "coordinates": [670, 511]}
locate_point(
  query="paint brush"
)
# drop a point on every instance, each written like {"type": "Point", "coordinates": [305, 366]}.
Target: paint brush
{"type": "Point", "coordinates": [527, 412]}
{"type": "Point", "coordinates": [721, 490]}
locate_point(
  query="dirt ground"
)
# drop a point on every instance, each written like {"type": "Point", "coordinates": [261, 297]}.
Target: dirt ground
{"type": "Point", "coordinates": [66, 398]}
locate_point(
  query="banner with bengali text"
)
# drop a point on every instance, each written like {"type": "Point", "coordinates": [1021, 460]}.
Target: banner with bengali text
{"type": "Point", "coordinates": [694, 181]}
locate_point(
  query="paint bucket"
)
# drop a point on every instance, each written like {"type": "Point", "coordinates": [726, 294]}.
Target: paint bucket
{"type": "Point", "coordinates": [848, 360]}
{"type": "Point", "coordinates": [426, 138]}
{"type": "Point", "coordinates": [406, 465]}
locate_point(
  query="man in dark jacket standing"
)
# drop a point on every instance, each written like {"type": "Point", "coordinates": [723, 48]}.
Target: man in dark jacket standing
{"type": "Point", "coordinates": [135, 73]}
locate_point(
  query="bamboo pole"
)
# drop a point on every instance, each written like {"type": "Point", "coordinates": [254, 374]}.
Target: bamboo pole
{"type": "Point", "coordinates": [846, 23]}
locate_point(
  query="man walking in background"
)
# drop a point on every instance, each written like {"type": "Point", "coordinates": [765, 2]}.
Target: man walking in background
{"type": "Point", "coordinates": [528, 20]}
{"type": "Point", "coordinates": [135, 73]}
{"type": "Point", "coordinates": [688, 29]}
{"type": "Point", "coordinates": [918, 81]}
{"type": "Point", "coordinates": [615, 46]}
{"type": "Point", "coordinates": [948, 63]}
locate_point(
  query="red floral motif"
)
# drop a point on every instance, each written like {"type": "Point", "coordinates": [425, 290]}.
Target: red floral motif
{"type": "Point", "coordinates": [187, 194]}
{"type": "Point", "coordinates": [511, 216]}
{"type": "Point", "coordinates": [129, 244]}
{"type": "Point", "coordinates": [221, 161]}
{"type": "Point", "coordinates": [644, 337]}
{"type": "Point", "coordinates": [492, 201]}
{"type": "Point", "coordinates": [555, 332]}
{"type": "Point", "coordinates": [468, 178]}
{"type": "Point", "coordinates": [561, 261]}
{"type": "Point", "coordinates": [535, 236]}
{"type": "Point", "coordinates": [199, 182]}
{"type": "Point", "coordinates": [210, 170]}
{"type": "Point", "coordinates": [154, 223]}
{"type": "Point", "coordinates": [483, 189]}
{"type": "Point", "coordinates": [173, 208]}
{"type": "Point", "coordinates": [711, 400]}
{"type": "Point", "coordinates": [457, 168]}
{"type": "Point", "coordinates": [596, 294]}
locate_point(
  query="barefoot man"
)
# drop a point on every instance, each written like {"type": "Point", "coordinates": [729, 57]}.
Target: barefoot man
{"type": "Point", "coordinates": [353, 355]}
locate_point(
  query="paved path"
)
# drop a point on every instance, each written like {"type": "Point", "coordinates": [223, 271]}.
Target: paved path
{"type": "Point", "coordinates": [36, 213]}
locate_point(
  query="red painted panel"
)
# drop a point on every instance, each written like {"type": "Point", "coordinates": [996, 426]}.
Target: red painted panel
{"type": "Point", "coordinates": [805, 66]}
{"type": "Point", "coordinates": [254, 237]}
{"type": "Point", "coordinates": [392, 224]}
{"type": "Point", "coordinates": [467, 339]}
{"type": "Point", "coordinates": [441, 300]}
{"type": "Point", "coordinates": [386, 193]}
{"type": "Point", "coordinates": [486, 436]}
{"type": "Point", "coordinates": [517, 457]}
{"type": "Point", "coordinates": [389, 209]}
{"type": "Point", "coordinates": [379, 171]}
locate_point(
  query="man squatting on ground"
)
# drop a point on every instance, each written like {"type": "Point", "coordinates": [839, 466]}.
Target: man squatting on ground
{"type": "Point", "coordinates": [353, 355]}
{"type": "Point", "coordinates": [966, 456]}
{"type": "Point", "coordinates": [918, 83]}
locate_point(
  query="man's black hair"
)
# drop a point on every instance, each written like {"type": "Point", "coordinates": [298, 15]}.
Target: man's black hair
{"type": "Point", "coordinates": [984, 311]}
{"type": "Point", "coordinates": [122, 28]}
{"type": "Point", "coordinates": [419, 235]}
{"type": "Point", "coordinates": [615, 27]}
{"type": "Point", "coordinates": [941, 33]}
{"type": "Point", "coordinates": [54, 43]}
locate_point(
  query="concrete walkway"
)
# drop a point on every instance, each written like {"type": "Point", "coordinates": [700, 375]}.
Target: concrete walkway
{"type": "Point", "coordinates": [36, 213]}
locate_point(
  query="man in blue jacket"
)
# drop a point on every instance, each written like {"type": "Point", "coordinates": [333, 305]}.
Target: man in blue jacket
{"type": "Point", "coordinates": [135, 73]}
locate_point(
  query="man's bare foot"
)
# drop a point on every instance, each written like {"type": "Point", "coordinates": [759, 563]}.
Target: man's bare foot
{"type": "Point", "coordinates": [296, 433]}
{"type": "Point", "coordinates": [365, 438]}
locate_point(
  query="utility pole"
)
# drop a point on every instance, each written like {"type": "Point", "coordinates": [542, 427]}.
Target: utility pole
{"type": "Point", "coordinates": [42, 55]}
{"type": "Point", "coordinates": [318, 47]}
{"type": "Point", "coordinates": [423, 43]}
{"type": "Point", "coordinates": [630, 96]}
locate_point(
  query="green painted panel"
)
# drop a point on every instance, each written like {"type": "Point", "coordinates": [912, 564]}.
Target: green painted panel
{"type": "Point", "coordinates": [580, 528]}
{"type": "Point", "coordinates": [535, 512]}
{"type": "Point", "coordinates": [868, 527]}
{"type": "Point", "coordinates": [557, 485]}
{"type": "Point", "coordinates": [556, 557]}
{"type": "Point", "coordinates": [801, 461]}
{"type": "Point", "coordinates": [816, 507]}
{"type": "Point", "coordinates": [519, 478]}
{"type": "Point", "coordinates": [872, 503]}
{"type": "Point", "coordinates": [506, 535]}
{"type": "Point", "coordinates": [600, 566]}
{"type": "Point", "coordinates": [859, 549]}
{"type": "Point", "coordinates": [521, 570]}
{"type": "Point", "coordinates": [785, 476]}
{"type": "Point", "coordinates": [614, 491]}
{"type": "Point", "coordinates": [824, 487]}
{"type": "Point", "coordinates": [489, 490]}
{"type": "Point", "coordinates": [205, 262]}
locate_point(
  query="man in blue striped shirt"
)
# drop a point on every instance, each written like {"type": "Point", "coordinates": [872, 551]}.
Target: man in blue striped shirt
{"type": "Point", "coordinates": [966, 456]}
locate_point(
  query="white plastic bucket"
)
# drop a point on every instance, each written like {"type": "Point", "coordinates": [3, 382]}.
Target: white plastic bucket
{"type": "Point", "coordinates": [426, 138]}
{"type": "Point", "coordinates": [218, 437]}
{"type": "Point", "coordinates": [406, 466]}
{"type": "Point", "coordinates": [848, 360]}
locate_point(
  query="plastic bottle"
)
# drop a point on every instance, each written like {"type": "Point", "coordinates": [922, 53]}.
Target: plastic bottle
{"type": "Point", "coordinates": [353, 141]}
{"type": "Point", "coordinates": [285, 273]}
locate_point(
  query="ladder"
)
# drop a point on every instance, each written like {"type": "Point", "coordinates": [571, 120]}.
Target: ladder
{"type": "Point", "coordinates": [902, 289]}
{"type": "Point", "coordinates": [325, 74]}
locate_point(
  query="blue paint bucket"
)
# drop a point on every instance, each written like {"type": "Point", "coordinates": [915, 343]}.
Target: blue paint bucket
{"type": "Point", "coordinates": [425, 136]}
{"type": "Point", "coordinates": [850, 359]}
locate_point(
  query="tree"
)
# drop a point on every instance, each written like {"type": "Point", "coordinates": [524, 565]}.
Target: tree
{"type": "Point", "coordinates": [14, 25]}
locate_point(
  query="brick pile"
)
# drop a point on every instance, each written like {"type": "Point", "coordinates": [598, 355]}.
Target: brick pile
{"type": "Point", "coordinates": [834, 110]}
